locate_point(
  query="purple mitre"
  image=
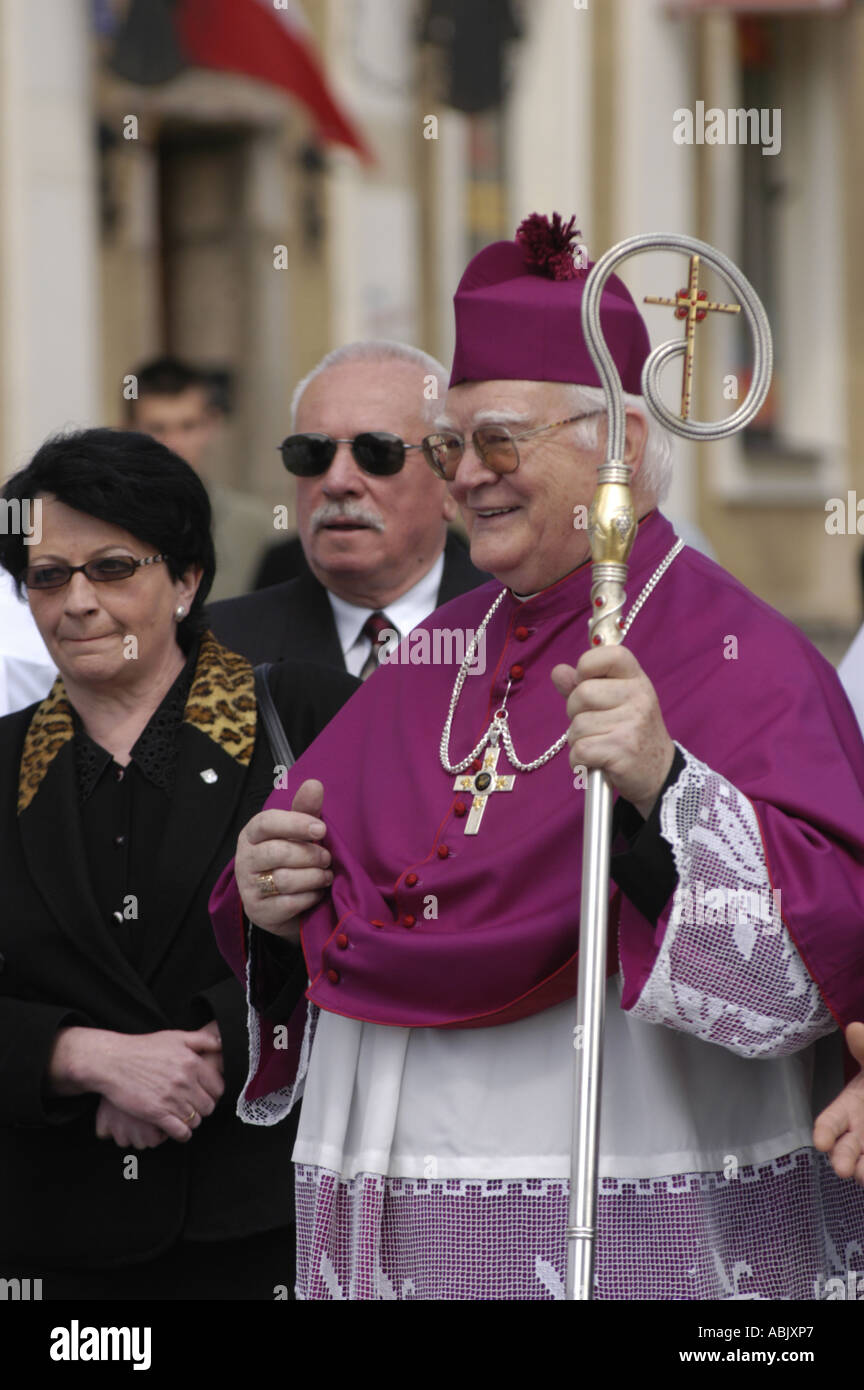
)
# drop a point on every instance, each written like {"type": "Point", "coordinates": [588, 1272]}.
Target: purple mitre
{"type": "Point", "coordinates": [518, 314]}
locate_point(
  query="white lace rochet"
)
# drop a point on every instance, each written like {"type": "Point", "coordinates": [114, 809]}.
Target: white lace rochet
{"type": "Point", "coordinates": [434, 1163]}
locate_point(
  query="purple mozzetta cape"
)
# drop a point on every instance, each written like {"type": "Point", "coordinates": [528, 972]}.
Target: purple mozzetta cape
{"type": "Point", "coordinates": [427, 927]}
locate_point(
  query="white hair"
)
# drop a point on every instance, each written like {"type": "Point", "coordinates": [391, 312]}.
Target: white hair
{"type": "Point", "coordinates": [655, 475]}
{"type": "Point", "coordinates": [379, 350]}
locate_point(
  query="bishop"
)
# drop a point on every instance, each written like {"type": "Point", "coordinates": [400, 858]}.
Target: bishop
{"type": "Point", "coordinates": [427, 976]}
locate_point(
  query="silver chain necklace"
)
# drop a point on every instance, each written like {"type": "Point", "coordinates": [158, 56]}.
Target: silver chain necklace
{"type": "Point", "coordinates": [499, 728]}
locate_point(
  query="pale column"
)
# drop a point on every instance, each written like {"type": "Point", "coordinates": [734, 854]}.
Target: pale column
{"type": "Point", "coordinates": [655, 186]}
{"type": "Point", "coordinates": [721, 212]}
{"type": "Point", "coordinates": [48, 237]}
{"type": "Point", "coordinates": [809, 257]}
{"type": "Point", "coordinates": [548, 131]}
{"type": "Point", "coordinates": [131, 326]}
{"type": "Point", "coordinates": [373, 242]}
{"type": "Point", "coordinates": [811, 252]}
{"type": "Point", "coordinates": [267, 349]}
{"type": "Point", "coordinates": [449, 178]}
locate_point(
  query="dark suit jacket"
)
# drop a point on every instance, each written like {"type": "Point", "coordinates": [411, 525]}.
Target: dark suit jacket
{"type": "Point", "coordinates": [64, 1199]}
{"type": "Point", "coordinates": [281, 561]}
{"type": "Point", "coordinates": [295, 619]}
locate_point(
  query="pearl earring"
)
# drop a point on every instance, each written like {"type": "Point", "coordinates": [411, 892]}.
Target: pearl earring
{"type": "Point", "coordinates": [179, 613]}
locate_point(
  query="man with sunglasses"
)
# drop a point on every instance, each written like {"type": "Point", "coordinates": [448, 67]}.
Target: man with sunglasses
{"type": "Point", "coordinates": [426, 855]}
{"type": "Point", "coordinates": [372, 517]}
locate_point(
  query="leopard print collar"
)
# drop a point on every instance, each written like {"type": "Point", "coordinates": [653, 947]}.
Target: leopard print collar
{"type": "Point", "coordinates": [221, 704]}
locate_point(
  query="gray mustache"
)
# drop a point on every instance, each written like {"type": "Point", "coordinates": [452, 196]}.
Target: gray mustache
{"type": "Point", "coordinates": [347, 511]}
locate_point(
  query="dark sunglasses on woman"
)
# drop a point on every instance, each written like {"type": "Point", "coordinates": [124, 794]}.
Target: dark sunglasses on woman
{"type": "Point", "coordinates": [376, 451]}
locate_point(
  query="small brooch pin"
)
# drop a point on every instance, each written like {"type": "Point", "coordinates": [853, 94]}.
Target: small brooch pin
{"type": "Point", "coordinates": [208, 775]}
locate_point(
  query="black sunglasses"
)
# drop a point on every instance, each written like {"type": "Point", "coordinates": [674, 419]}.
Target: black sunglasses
{"type": "Point", "coordinates": [378, 453]}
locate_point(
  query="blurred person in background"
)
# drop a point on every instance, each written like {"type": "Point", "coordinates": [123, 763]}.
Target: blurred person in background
{"type": "Point", "coordinates": [175, 405]}
{"type": "Point", "coordinates": [281, 561]}
{"type": "Point", "coordinates": [26, 670]}
{"type": "Point", "coordinates": [372, 516]}
{"type": "Point", "coordinates": [123, 793]}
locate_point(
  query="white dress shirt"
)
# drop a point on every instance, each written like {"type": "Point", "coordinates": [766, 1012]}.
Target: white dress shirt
{"type": "Point", "coordinates": [404, 613]}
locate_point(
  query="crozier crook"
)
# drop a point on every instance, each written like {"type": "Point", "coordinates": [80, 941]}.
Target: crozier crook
{"type": "Point", "coordinates": [611, 529]}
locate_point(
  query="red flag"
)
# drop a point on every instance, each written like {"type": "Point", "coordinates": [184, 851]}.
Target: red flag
{"type": "Point", "coordinates": [256, 38]}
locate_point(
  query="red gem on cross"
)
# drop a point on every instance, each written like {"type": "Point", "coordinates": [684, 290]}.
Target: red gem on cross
{"type": "Point", "coordinates": [693, 305]}
{"type": "Point", "coordinates": [598, 602]}
{"type": "Point", "coordinates": [597, 641]}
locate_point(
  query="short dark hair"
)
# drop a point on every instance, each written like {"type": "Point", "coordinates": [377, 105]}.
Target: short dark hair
{"type": "Point", "coordinates": [134, 482]}
{"type": "Point", "coordinates": [168, 376]}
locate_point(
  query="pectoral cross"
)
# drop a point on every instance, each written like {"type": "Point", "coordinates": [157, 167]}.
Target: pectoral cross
{"type": "Point", "coordinates": [691, 304]}
{"type": "Point", "coordinates": [483, 784]}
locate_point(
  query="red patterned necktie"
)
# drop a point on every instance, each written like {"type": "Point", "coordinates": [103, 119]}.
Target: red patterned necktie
{"type": "Point", "coordinates": [374, 626]}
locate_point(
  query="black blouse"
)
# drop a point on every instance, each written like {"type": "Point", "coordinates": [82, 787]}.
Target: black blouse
{"type": "Point", "coordinates": [124, 809]}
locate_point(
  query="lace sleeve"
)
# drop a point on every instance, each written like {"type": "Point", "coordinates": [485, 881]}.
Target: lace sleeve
{"type": "Point", "coordinates": [270, 1108]}
{"type": "Point", "coordinates": [727, 970]}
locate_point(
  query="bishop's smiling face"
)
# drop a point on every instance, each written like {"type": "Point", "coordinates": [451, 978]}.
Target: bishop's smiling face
{"type": "Point", "coordinates": [521, 524]}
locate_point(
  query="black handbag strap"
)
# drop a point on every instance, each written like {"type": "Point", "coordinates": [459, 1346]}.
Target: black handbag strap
{"type": "Point", "coordinates": [279, 745]}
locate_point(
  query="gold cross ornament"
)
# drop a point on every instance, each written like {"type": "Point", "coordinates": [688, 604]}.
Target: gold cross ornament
{"type": "Point", "coordinates": [483, 784]}
{"type": "Point", "coordinates": [691, 304]}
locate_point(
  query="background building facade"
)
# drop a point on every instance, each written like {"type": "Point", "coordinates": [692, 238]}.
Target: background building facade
{"type": "Point", "coordinates": [203, 216]}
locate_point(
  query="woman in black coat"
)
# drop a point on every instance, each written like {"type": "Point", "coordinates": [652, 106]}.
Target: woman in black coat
{"type": "Point", "coordinates": [124, 1170]}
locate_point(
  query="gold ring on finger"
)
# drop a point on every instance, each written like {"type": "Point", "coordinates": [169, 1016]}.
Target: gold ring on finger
{"type": "Point", "coordinates": [267, 885]}
{"type": "Point", "coordinates": [193, 1115]}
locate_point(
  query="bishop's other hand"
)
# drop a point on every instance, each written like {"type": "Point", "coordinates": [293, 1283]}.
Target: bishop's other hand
{"type": "Point", "coordinates": [616, 723]}
{"type": "Point", "coordinates": [281, 867]}
{"type": "Point", "coordinates": [839, 1130]}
